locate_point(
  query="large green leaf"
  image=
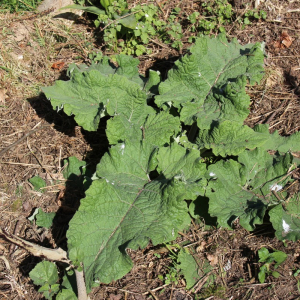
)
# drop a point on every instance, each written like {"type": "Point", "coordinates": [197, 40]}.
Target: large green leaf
{"type": "Point", "coordinates": [208, 84]}
{"type": "Point", "coordinates": [128, 67]}
{"type": "Point", "coordinates": [156, 129]}
{"type": "Point", "coordinates": [232, 138]}
{"type": "Point", "coordinates": [228, 103]}
{"type": "Point", "coordinates": [126, 207]}
{"type": "Point", "coordinates": [245, 189]}
{"type": "Point", "coordinates": [89, 94]}
{"type": "Point", "coordinates": [92, 92]}
{"type": "Point", "coordinates": [285, 218]}
{"type": "Point", "coordinates": [105, 67]}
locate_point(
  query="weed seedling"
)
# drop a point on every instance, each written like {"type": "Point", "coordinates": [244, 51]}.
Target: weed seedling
{"type": "Point", "coordinates": [277, 257]}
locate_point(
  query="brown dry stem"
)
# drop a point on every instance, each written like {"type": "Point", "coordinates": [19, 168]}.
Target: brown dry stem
{"type": "Point", "coordinates": [81, 288]}
{"type": "Point", "coordinates": [36, 250]}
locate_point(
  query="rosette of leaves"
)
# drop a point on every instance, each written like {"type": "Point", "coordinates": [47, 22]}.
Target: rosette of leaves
{"type": "Point", "coordinates": [153, 165]}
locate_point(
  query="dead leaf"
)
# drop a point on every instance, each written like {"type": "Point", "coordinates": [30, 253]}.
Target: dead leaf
{"type": "Point", "coordinates": [58, 65]}
{"type": "Point", "coordinates": [284, 41]}
{"type": "Point", "coordinates": [201, 247]}
{"type": "Point", "coordinates": [3, 95]}
{"type": "Point", "coordinates": [60, 197]}
{"type": "Point", "coordinates": [213, 259]}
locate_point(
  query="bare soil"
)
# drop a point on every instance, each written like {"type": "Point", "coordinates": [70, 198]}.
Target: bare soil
{"type": "Point", "coordinates": [35, 140]}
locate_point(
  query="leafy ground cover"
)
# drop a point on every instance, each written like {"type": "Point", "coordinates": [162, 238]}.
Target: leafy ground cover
{"type": "Point", "coordinates": [227, 261]}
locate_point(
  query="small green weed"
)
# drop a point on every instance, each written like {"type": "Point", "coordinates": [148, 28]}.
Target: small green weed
{"type": "Point", "coordinates": [42, 219]}
{"type": "Point", "coordinates": [253, 14]}
{"type": "Point", "coordinates": [296, 273]}
{"type": "Point", "coordinates": [40, 39]}
{"type": "Point", "coordinates": [95, 56]}
{"type": "Point", "coordinates": [277, 257]}
{"type": "Point", "coordinates": [173, 275]}
{"type": "Point", "coordinates": [45, 274]}
{"type": "Point", "coordinates": [184, 264]}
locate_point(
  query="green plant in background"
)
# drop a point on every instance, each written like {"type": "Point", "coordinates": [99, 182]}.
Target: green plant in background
{"type": "Point", "coordinates": [95, 57]}
{"type": "Point", "coordinates": [132, 39]}
{"type": "Point", "coordinates": [193, 19]}
{"type": "Point", "coordinates": [268, 259]}
{"type": "Point", "coordinates": [129, 31]}
{"type": "Point", "coordinates": [106, 3]}
{"type": "Point", "coordinates": [214, 15]}
{"type": "Point", "coordinates": [253, 15]}
{"type": "Point", "coordinates": [17, 6]}
{"type": "Point", "coordinates": [117, 20]}
{"type": "Point", "coordinates": [173, 30]}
